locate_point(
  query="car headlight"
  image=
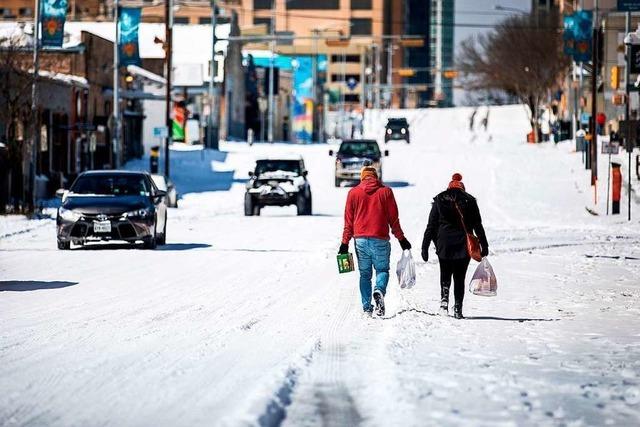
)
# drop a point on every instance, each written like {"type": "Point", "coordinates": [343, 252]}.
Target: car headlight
{"type": "Point", "coordinates": [388, 131]}
{"type": "Point", "coordinates": [140, 213]}
{"type": "Point", "coordinates": [403, 131]}
{"type": "Point", "coordinates": [69, 214]}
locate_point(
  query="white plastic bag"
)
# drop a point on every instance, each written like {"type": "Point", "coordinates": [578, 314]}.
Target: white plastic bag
{"type": "Point", "coordinates": [484, 282]}
{"type": "Point", "coordinates": [406, 270]}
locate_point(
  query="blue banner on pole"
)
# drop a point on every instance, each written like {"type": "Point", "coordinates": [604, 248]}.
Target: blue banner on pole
{"type": "Point", "coordinates": [129, 22]}
{"type": "Point", "coordinates": [52, 17]}
{"type": "Point", "coordinates": [577, 35]}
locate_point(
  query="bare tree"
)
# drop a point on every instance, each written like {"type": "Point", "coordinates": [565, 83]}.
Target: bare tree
{"type": "Point", "coordinates": [15, 98]}
{"type": "Point", "coordinates": [522, 56]}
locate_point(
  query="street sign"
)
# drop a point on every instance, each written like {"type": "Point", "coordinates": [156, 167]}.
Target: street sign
{"type": "Point", "coordinates": [610, 147]}
{"type": "Point", "coordinates": [160, 132]}
{"type": "Point", "coordinates": [628, 5]}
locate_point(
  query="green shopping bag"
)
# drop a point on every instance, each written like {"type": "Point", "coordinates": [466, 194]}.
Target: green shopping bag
{"type": "Point", "coordinates": [345, 263]}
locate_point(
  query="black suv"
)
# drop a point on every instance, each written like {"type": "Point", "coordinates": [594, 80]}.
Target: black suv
{"type": "Point", "coordinates": [396, 129]}
{"type": "Point", "coordinates": [112, 205]}
{"type": "Point", "coordinates": [278, 182]}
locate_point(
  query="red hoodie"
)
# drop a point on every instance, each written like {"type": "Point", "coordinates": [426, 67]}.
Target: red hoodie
{"type": "Point", "coordinates": [370, 210]}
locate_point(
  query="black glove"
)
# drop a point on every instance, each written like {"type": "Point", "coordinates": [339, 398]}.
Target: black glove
{"type": "Point", "coordinates": [425, 255]}
{"type": "Point", "coordinates": [405, 245]}
{"type": "Point", "coordinates": [484, 251]}
{"type": "Point", "coordinates": [344, 248]}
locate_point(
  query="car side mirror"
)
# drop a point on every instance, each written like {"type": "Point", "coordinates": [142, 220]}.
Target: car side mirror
{"type": "Point", "coordinates": [331, 152]}
{"type": "Point", "coordinates": [160, 194]}
{"type": "Point", "coordinates": [386, 153]}
{"type": "Point", "coordinates": [305, 173]}
{"type": "Point", "coordinates": [250, 174]}
{"type": "Point", "coordinates": [60, 193]}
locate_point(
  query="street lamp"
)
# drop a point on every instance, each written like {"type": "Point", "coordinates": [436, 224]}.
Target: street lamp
{"type": "Point", "coordinates": [631, 39]}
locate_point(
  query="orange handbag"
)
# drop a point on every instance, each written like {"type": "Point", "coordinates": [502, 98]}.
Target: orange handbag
{"type": "Point", "coordinates": [473, 244]}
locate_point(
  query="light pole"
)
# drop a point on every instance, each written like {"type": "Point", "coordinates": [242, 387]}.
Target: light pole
{"type": "Point", "coordinates": [116, 88]}
{"type": "Point", "coordinates": [632, 38]}
{"type": "Point", "coordinates": [35, 136]}
{"type": "Point", "coordinates": [212, 139]}
{"type": "Point", "coordinates": [168, 40]}
{"type": "Point", "coordinates": [271, 80]}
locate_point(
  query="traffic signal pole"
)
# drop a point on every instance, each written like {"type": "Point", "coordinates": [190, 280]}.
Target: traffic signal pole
{"type": "Point", "coordinates": [168, 40]}
{"type": "Point", "coordinates": [594, 103]}
{"type": "Point", "coordinates": [627, 29]}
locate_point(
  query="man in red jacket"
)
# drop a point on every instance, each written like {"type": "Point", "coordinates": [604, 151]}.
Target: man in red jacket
{"type": "Point", "coordinates": [370, 211]}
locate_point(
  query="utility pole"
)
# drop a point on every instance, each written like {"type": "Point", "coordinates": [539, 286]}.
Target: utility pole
{"type": "Point", "coordinates": [168, 40]}
{"type": "Point", "coordinates": [377, 74]}
{"type": "Point", "coordinates": [389, 73]}
{"type": "Point", "coordinates": [214, 123]}
{"type": "Point", "coordinates": [627, 30]}
{"type": "Point", "coordinates": [314, 88]}
{"type": "Point", "coordinates": [271, 80]}
{"type": "Point", "coordinates": [116, 88]}
{"type": "Point", "coordinates": [35, 135]}
{"type": "Point", "coordinates": [594, 101]}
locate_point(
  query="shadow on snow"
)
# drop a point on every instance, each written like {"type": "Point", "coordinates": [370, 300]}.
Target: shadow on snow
{"type": "Point", "coordinates": [33, 285]}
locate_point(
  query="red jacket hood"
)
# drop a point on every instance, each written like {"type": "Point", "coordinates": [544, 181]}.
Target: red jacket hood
{"type": "Point", "coordinates": [371, 185]}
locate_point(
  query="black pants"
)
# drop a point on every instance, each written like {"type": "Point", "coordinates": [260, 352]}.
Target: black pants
{"type": "Point", "coordinates": [458, 269]}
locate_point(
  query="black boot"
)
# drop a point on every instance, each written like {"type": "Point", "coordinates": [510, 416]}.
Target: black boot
{"type": "Point", "coordinates": [457, 311]}
{"type": "Point", "coordinates": [444, 299]}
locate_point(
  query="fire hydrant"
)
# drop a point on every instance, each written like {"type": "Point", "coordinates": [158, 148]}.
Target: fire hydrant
{"type": "Point", "coordinates": [616, 187]}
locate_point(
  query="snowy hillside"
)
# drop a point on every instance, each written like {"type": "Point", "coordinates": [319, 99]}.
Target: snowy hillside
{"type": "Point", "coordinates": [245, 320]}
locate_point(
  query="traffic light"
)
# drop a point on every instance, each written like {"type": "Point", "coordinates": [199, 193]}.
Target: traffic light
{"type": "Point", "coordinates": [450, 74]}
{"type": "Point", "coordinates": [615, 77]}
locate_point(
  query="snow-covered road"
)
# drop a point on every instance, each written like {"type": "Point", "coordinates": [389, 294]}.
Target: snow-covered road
{"type": "Point", "coordinates": [245, 321]}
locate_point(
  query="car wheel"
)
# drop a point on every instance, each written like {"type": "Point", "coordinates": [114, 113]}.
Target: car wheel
{"type": "Point", "coordinates": [256, 210]}
{"type": "Point", "coordinates": [64, 246]}
{"type": "Point", "coordinates": [248, 205]}
{"type": "Point", "coordinates": [162, 240]}
{"type": "Point", "coordinates": [151, 242]}
{"type": "Point", "coordinates": [338, 182]}
{"type": "Point", "coordinates": [303, 204]}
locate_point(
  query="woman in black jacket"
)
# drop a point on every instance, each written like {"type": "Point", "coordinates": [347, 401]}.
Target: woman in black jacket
{"type": "Point", "coordinates": [445, 229]}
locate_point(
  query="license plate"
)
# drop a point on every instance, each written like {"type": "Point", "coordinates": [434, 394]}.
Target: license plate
{"type": "Point", "coordinates": [102, 226]}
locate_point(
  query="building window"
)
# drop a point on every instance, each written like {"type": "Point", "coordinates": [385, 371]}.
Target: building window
{"type": "Point", "coordinates": [181, 20]}
{"type": "Point", "coordinates": [352, 97]}
{"type": "Point", "coordinates": [361, 4]}
{"type": "Point", "coordinates": [266, 21]}
{"type": "Point", "coordinates": [25, 11]}
{"type": "Point", "coordinates": [347, 58]}
{"type": "Point", "coordinates": [347, 77]}
{"type": "Point", "coordinates": [262, 4]}
{"type": "Point", "coordinates": [360, 26]}
{"type": "Point", "coordinates": [204, 20]}
{"type": "Point", "coordinates": [313, 4]}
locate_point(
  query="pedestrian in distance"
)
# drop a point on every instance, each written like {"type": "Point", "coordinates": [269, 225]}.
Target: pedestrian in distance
{"type": "Point", "coordinates": [454, 212]}
{"type": "Point", "coordinates": [370, 211]}
{"type": "Point", "coordinates": [472, 119]}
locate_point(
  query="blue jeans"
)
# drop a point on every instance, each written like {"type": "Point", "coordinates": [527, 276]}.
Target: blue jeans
{"type": "Point", "coordinates": [372, 253]}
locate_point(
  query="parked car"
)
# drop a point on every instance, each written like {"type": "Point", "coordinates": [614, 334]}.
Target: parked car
{"type": "Point", "coordinates": [351, 157]}
{"type": "Point", "coordinates": [165, 184]}
{"type": "Point", "coordinates": [396, 129]}
{"type": "Point", "coordinates": [112, 205]}
{"type": "Point", "coordinates": [278, 182]}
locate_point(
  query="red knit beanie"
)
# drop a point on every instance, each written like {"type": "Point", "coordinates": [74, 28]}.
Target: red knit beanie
{"type": "Point", "coordinates": [456, 182]}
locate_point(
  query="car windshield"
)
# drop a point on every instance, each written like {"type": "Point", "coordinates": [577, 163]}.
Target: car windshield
{"type": "Point", "coordinates": [111, 185]}
{"type": "Point", "coordinates": [264, 166]}
{"type": "Point", "coordinates": [397, 122]}
{"type": "Point", "coordinates": [359, 149]}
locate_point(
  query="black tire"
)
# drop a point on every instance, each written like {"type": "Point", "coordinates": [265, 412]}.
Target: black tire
{"type": "Point", "coordinates": [64, 246]}
{"type": "Point", "coordinates": [309, 210]}
{"type": "Point", "coordinates": [248, 205]}
{"type": "Point", "coordinates": [151, 242]}
{"type": "Point", "coordinates": [303, 204]}
{"type": "Point", "coordinates": [256, 209]}
{"type": "Point", "coordinates": [338, 182]}
{"type": "Point", "coordinates": [162, 240]}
